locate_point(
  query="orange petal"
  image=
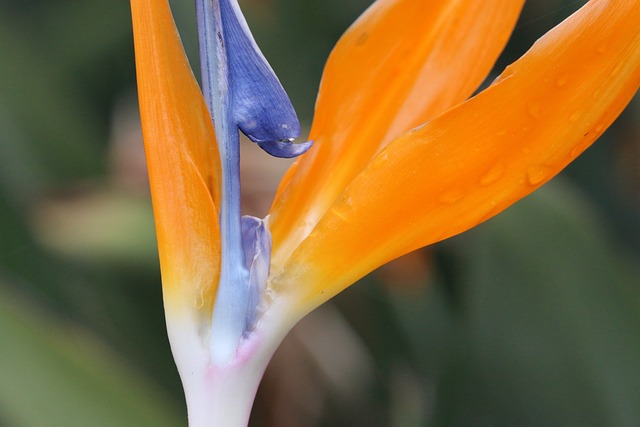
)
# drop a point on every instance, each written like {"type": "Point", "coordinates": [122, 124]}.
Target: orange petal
{"type": "Point", "coordinates": [477, 159]}
{"type": "Point", "coordinates": [402, 63]}
{"type": "Point", "coordinates": [182, 159]}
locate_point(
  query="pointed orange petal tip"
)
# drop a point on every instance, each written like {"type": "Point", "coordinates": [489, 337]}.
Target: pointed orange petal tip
{"type": "Point", "coordinates": [477, 159]}
{"type": "Point", "coordinates": [182, 159]}
{"type": "Point", "coordinates": [400, 64]}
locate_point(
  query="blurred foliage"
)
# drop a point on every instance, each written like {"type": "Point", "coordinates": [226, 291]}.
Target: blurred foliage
{"type": "Point", "coordinates": [531, 319]}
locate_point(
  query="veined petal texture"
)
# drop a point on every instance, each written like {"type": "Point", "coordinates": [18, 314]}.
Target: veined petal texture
{"type": "Point", "coordinates": [477, 159]}
{"type": "Point", "coordinates": [402, 63]}
{"type": "Point", "coordinates": [183, 161]}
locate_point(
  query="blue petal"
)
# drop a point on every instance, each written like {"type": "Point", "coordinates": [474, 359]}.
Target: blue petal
{"type": "Point", "coordinates": [260, 106]}
{"type": "Point", "coordinates": [256, 242]}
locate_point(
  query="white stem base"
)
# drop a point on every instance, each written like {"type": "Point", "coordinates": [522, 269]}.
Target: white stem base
{"type": "Point", "coordinates": [222, 396]}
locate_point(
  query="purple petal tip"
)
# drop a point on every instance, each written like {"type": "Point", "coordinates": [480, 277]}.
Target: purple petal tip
{"type": "Point", "coordinates": [284, 149]}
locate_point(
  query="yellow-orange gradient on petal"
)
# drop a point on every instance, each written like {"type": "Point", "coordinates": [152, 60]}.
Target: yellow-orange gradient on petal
{"type": "Point", "coordinates": [182, 159]}
{"type": "Point", "coordinates": [478, 158]}
{"type": "Point", "coordinates": [401, 63]}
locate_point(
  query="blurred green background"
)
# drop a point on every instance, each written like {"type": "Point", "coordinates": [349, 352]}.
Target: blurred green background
{"type": "Point", "coordinates": [531, 319]}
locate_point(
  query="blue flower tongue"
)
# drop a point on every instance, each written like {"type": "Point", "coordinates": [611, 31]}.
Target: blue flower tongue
{"type": "Point", "coordinates": [243, 94]}
{"type": "Point", "coordinates": [259, 105]}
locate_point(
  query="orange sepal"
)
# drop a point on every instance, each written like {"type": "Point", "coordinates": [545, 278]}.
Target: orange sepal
{"type": "Point", "coordinates": [182, 158]}
{"type": "Point", "coordinates": [402, 63]}
{"type": "Point", "coordinates": [477, 159]}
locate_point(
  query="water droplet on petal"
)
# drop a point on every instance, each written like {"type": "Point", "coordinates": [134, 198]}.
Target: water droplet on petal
{"type": "Point", "coordinates": [537, 174]}
{"type": "Point", "coordinates": [493, 174]}
{"type": "Point", "coordinates": [576, 151]}
{"type": "Point", "coordinates": [534, 111]}
{"type": "Point", "coordinates": [343, 210]}
{"type": "Point", "coordinates": [200, 300]}
{"type": "Point", "coordinates": [379, 160]}
{"type": "Point", "coordinates": [598, 93]}
{"type": "Point", "coordinates": [575, 116]}
{"type": "Point", "coordinates": [617, 69]}
{"type": "Point", "coordinates": [601, 48]}
{"type": "Point", "coordinates": [313, 234]}
{"type": "Point", "coordinates": [562, 80]}
{"type": "Point", "coordinates": [362, 38]}
{"type": "Point", "coordinates": [452, 196]}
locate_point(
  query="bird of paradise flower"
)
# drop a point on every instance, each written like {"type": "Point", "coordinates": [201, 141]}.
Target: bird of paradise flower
{"type": "Point", "coordinates": [402, 158]}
